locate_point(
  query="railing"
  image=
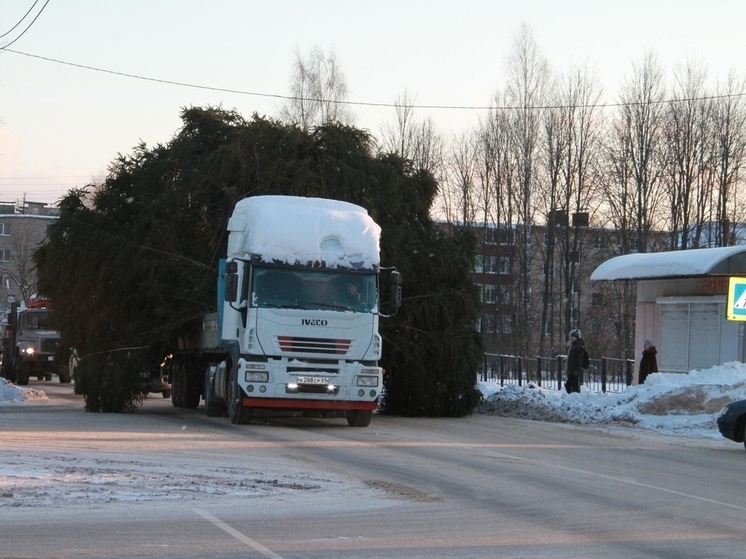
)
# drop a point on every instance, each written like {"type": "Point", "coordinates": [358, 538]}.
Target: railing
{"type": "Point", "coordinates": [604, 375]}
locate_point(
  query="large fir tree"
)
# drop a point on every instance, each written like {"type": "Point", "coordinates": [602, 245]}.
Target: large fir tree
{"type": "Point", "coordinates": [132, 265]}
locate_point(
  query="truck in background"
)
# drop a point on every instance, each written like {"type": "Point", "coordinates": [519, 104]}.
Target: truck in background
{"type": "Point", "coordinates": [31, 346]}
{"type": "Point", "coordinates": [296, 325]}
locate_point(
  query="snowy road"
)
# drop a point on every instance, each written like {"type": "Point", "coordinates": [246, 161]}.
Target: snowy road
{"type": "Point", "coordinates": [173, 483]}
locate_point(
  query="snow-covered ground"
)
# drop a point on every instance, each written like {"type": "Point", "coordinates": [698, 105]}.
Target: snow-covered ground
{"type": "Point", "coordinates": [668, 403]}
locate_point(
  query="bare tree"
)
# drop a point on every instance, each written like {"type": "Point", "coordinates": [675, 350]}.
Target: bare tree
{"type": "Point", "coordinates": [319, 89]}
{"type": "Point", "coordinates": [688, 156]}
{"type": "Point", "coordinates": [634, 163]}
{"type": "Point", "coordinates": [730, 157]}
{"type": "Point", "coordinates": [419, 141]}
{"type": "Point", "coordinates": [526, 92]}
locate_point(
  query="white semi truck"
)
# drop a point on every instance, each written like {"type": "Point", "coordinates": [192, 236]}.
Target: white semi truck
{"type": "Point", "coordinates": [296, 327]}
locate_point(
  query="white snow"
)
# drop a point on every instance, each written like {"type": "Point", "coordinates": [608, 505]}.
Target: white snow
{"type": "Point", "coordinates": [294, 229]}
{"type": "Point", "coordinates": [668, 403]}
{"type": "Point", "coordinates": [12, 394]}
{"type": "Point", "coordinates": [676, 263]}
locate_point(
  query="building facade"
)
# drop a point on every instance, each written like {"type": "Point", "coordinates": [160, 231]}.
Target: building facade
{"type": "Point", "coordinates": [22, 229]}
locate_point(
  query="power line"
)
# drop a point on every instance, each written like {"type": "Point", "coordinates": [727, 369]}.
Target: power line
{"type": "Point", "coordinates": [27, 27]}
{"type": "Point", "coordinates": [9, 31]}
{"type": "Point", "coordinates": [374, 104]}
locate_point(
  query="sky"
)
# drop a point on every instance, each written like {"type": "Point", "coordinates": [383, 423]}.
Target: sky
{"type": "Point", "coordinates": [62, 124]}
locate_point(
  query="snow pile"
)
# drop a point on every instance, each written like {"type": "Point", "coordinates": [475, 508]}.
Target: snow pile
{"type": "Point", "coordinates": [12, 394]}
{"type": "Point", "coordinates": [671, 403]}
{"type": "Point", "coordinates": [295, 229]}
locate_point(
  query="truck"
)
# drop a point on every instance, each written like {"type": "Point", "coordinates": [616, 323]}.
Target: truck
{"type": "Point", "coordinates": [297, 317]}
{"type": "Point", "coordinates": [31, 344]}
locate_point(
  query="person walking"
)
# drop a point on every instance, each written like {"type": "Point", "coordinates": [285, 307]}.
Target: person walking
{"type": "Point", "coordinates": [574, 361]}
{"type": "Point", "coordinates": [649, 362]}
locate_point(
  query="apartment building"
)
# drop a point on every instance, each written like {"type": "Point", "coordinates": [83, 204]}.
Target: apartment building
{"type": "Point", "coordinates": [22, 228]}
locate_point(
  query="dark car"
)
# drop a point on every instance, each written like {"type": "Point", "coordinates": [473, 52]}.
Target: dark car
{"type": "Point", "coordinates": [732, 422]}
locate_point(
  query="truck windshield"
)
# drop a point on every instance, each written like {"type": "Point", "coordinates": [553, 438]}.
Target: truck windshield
{"type": "Point", "coordinates": [34, 320]}
{"type": "Point", "coordinates": [314, 290]}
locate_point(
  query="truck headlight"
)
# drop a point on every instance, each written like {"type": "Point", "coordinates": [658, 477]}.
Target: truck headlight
{"type": "Point", "coordinates": [367, 381]}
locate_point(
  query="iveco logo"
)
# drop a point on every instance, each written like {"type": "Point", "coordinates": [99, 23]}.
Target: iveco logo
{"type": "Point", "coordinates": [313, 322]}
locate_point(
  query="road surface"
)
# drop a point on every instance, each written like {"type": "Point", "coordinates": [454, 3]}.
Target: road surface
{"type": "Point", "coordinates": [173, 483]}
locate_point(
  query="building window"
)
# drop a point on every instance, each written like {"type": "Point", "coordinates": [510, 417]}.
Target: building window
{"type": "Point", "coordinates": [599, 242]}
{"type": "Point", "coordinates": [506, 323]}
{"type": "Point", "coordinates": [504, 291]}
{"type": "Point", "coordinates": [479, 265]}
{"type": "Point", "coordinates": [490, 293]}
{"type": "Point", "coordinates": [489, 323]}
{"type": "Point", "coordinates": [480, 287]}
{"type": "Point", "coordinates": [503, 265]}
{"type": "Point", "coordinates": [494, 236]}
{"type": "Point", "coordinates": [490, 265]}
{"type": "Point", "coordinates": [4, 229]}
{"type": "Point", "coordinates": [4, 255]}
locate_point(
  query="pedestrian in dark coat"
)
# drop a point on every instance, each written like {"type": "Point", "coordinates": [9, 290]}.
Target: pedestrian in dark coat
{"type": "Point", "coordinates": [574, 362]}
{"type": "Point", "coordinates": [648, 363]}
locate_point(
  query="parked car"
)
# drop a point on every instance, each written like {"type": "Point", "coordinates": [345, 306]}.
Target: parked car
{"type": "Point", "coordinates": [732, 422]}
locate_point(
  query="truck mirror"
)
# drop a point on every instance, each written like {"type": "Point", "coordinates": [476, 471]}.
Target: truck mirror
{"type": "Point", "coordinates": [395, 289]}
{"type": "Point", "coordinates": [231, 286]}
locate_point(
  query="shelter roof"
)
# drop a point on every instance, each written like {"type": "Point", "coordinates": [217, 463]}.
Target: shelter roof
{"type": "Point", "coordinates": [674, 264]}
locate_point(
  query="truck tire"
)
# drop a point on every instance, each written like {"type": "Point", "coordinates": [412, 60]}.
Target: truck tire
{"type": "Point", "coordinates": [177, 382]}
{"type": "Point", "coordinates": [359, 418]}
{"type": "Point", "coordinates": [65, 377]}
{"type": "Point", "coordinates": [237, 412]}
{"type": "Point", "coordinates": [214, 407]}
{"type": "Point", "coordinates": [192, 389]}
{"type": "Point", "coordinates": [22, 377]}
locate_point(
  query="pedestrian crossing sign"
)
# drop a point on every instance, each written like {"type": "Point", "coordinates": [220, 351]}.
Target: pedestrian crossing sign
{"type": "Point", "coordinates": [736, 309]}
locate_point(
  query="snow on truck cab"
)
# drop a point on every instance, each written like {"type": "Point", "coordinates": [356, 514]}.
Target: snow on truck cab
{"type": "Point", "coordinates": [296, 326]}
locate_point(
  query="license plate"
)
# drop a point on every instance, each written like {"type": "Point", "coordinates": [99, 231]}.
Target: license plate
{"type": "Point", "coordinates": [313, 380]}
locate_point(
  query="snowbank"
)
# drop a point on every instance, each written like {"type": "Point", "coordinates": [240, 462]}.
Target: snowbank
{"type": "Point", "coordinates": [671, 403]}
{"type": "Point", "coordinates": [12, 394]}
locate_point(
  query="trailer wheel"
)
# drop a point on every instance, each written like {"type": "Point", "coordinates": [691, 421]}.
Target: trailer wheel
{"type": "Point", "coordinates": [359, 418]}
{"type": "Point", "coordinates": [237, 412]}
{"type": "Point", "coordinates": [214, 407]}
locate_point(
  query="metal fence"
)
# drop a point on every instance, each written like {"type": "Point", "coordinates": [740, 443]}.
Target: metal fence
{"type": "Point", "coordinates": [604, 375]}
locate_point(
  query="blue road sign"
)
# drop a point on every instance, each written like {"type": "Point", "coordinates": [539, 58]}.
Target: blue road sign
{"type": "Point", "coordinates": [736, 309]}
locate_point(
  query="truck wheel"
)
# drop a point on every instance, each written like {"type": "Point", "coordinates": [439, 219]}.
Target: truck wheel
{"type": "Point", "coordinates": [22, 377]}
{"type": "Point", "coordinates": [237, 412]}
{"type": "Point", "coordinates": [177, 383]}
{"type": "Point", "coordinates": [213, 406]}
{"type": "Point", "coordinates": [359, 418]}
{"type": "Point", "coordinates": [64, 375]}
{"type": "Point", "coordinates": [192, 389]}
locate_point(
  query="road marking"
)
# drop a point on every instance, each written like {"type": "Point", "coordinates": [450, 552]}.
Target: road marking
{"type": "Point", "coordinates": [622, 480]}
{"type": "Point", "coordinates": [238, 535]}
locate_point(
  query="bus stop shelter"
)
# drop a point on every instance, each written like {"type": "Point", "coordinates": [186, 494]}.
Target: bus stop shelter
{"type": "Point", "coordinates": [681, 304]}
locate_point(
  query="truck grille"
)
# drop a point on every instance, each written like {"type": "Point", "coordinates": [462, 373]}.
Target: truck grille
{"type": "Point", "coordinates": [322, 346]}
{"type": "Point", "coordinates": [49, 345]}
